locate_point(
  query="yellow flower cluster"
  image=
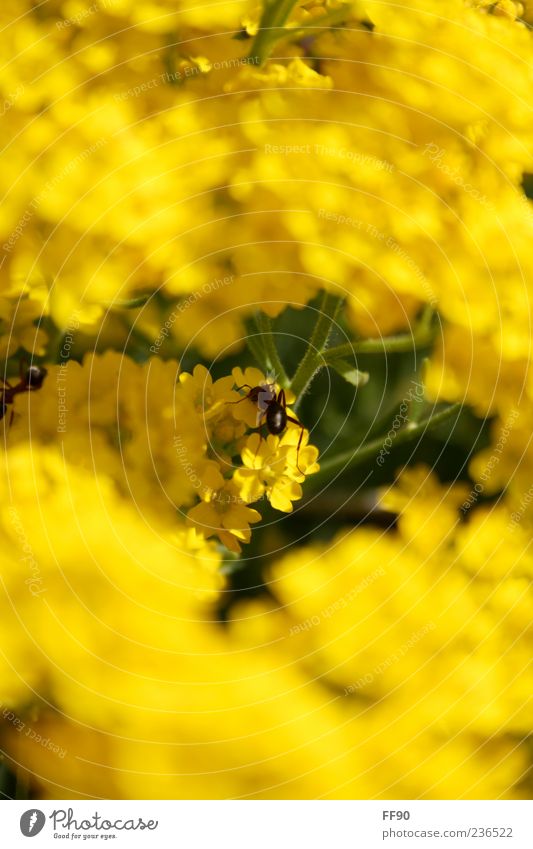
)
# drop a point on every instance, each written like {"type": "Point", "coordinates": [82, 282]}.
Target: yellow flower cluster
{"type": "Point", "coordinates": [271, 467]}
{"type": "Point", "coordinates": [387, 666]}
{"type": "Point", "coordinates": [171, 447]}
{"type": "Point", "coordinates": [381, 208]}
{"type": "Point", "coordinates": [195, 164]}
{"type": "Point", "coordinates": [136, 147]}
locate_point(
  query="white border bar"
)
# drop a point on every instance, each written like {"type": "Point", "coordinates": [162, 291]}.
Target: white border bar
{"type": "Point", "coordinates": [271, 824]}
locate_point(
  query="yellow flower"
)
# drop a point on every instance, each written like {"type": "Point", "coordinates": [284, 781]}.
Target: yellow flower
{"type": "Point", "coordinates": [178, 442]}
{"type": "Point", "coordinates": [295, 73]}
{"type": "Point", "coordinates": [18, 326]}
{"type": "Point", "coordinates": [428, 516]}
{"type": "Point", "coordinates": [301, 456]}
{"type": "Point", "coordinates": [275, 467]}
{"type": "Point", "coordinates": [225, 514]}
{"type": "Point", "coordinates": [245, 409]}
{"type": "Point", "coordinates": [208, 397]}
{"type": "Point", "coordinates": [380, 622]}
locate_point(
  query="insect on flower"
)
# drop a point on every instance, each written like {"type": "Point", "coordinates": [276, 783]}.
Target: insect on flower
{"type": "Point", "coordinates": [31, 378]}
{"type": "Point", "coordinates": [273, 408]}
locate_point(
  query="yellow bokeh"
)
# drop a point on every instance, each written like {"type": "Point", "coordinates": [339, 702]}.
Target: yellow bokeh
{"type": "Point", "coordinates": [169, 175]}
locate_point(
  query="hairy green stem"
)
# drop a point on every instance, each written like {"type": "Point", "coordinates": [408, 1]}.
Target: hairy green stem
{"type": "Point", "coordinates": [313, 359]}
{"type": "Point", "coordinates": [274, 364]}
{"type": "Point", "coordinates": [350, 459]}
{"type": "Point", "coordinates": [386, 345]}
{"type": "Point", "coordinates": [257, 349]}
{"type": "Point", "coordinates": [271, 25]}
{"type": "Point", "coordinates": [330, 20]}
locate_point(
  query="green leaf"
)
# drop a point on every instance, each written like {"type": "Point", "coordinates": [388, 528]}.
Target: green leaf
{"type": "Point", "coordinates": [132, 303]}
{"type": "Point", "coordinates": [127, 304]}
{"type": "Point", "coordinates": [350, 373]}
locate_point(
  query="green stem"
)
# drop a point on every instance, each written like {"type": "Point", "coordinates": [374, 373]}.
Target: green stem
{"type": "Point", "coordinates": [257, 349]}
{"type": "Point", "coordinates": [337, 16]}
{"type": "Point", "coordinates": [55, 345]}
{"type": "Point", "coordinates": [273, 20]}
{"type": "Point", "coordinates": [350, 459]}
{"type": "Point", "coordinates": [427, 318]}
{"type": "Point", "coordinates": [421, 338]}
{"type": "Point", "coordinates": [127, 304]}
{"type": "Point", "coordinates": [417, 401]}
{"type": "Point", "coordinates": [274, 364]}
{"type": "Point", "coordinates": [272, 28]}
{"type": "Point", "coordinates": [314, 358]}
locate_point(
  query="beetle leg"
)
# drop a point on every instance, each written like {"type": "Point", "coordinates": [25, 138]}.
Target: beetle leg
{"type": "Point", "coordinates": [261, 437]}
{"type": "Point", "coordinates": [245, 397]}
{"type": "Point", "coordinates": [295, 421]}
